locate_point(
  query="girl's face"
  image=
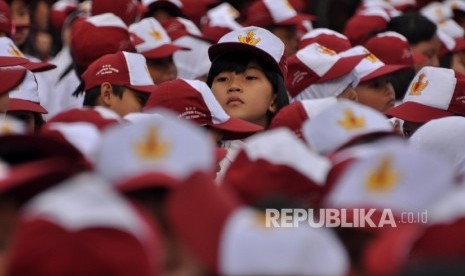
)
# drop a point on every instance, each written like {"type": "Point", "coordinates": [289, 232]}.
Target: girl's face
{"type": "Point", "coordinates": [377, 93]}
{"type": "Point", "coordinates": [248, 95]}
{"type": "Point", "coordinates": [21, 17]}
{"type": "Point", "coordinates": [430, 49]}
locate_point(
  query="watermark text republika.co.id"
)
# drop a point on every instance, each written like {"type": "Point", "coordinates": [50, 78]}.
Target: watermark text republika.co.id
{"type": "Point", "coordinates": [342, 217]}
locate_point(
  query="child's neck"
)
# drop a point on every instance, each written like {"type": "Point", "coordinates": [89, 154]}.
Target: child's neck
{"type": "Point", "coordinates": [263, 122]}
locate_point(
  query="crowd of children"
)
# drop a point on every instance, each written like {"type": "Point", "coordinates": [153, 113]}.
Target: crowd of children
{"type": "Point", "coordinates": [208, 137]}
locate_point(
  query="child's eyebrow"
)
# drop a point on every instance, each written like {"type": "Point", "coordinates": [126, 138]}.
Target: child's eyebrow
{"type": "Point", "coordinates": [254, 67]}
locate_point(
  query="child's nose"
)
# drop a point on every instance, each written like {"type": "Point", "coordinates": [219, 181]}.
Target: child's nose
{"type": "Point", "coordinates": [234, 85]}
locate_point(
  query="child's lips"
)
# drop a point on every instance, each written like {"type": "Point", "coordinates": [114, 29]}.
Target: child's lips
{"type": "Point", "coordinates": [234, 101]}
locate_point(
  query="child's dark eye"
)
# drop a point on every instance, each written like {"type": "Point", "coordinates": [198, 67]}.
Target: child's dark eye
{"type": "Point", "coordinates": [25, 117]}
{"type": "Point", "coordinates": [380, 83]}
{"type": "Point", "coordinates": [220, 79]}
{"type": "Point", "coordinates": [142, 99]}
{"type": "Point", "coordinates": [376, 84]}
{"type": "Point", "coordinates": [251, 78]}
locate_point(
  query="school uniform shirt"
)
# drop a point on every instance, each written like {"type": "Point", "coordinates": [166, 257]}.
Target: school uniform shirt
{"type": "Point", "coordinates": [233, 147]}
{"type": "Point", "coordinates": [62, 84]}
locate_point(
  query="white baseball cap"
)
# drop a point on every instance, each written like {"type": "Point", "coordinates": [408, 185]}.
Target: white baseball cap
{"type": "Point", "coordinates": [152, 40]}
{"type": "Point", "coordinates": [255, 40]}
{"type": "Point", "coordinates": [432, 94]}
{"type": "Point", "coordinates": [156, 146]}
{"type": "Point", "coordinates": [341, 123]}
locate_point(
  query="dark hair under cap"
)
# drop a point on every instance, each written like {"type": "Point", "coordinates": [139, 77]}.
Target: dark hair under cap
{"type": "Point", "coordinates": [414, 26]}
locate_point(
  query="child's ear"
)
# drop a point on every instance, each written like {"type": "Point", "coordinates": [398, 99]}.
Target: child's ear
{"type": "Point", "coordinates": [273, 105]}
{"type": "Point", "coordinates": [106, 93]}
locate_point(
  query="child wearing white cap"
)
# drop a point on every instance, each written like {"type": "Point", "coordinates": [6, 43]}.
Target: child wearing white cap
{"type": "Point", "coordinates": [246, 77]}
{"type": "Point", "coordinates": [434, 93]}
{"type": "Point", "coordinates": [11, 77]}
{"type": "Point", "coordinates": [25, 105]}
{"type": "Point", "coordinates": [152, 41]}
{"type": "Point", "coordinates": [193, 64]}
{"type": "Point", "coordinates": [247, 74]}
{"type": "Point", "coordinates": [375, 88]}
{"type": "Point", "coordinates": [318, 72]}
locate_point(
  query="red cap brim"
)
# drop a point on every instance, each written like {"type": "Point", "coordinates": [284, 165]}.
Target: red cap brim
{"type": "Point", "coordinates": [382, 71]}
{"type": "Point", "coordinates": [25, 105]}
{"type": "Point", "coordinates": [12, 61]}
{"type": "Point", "coordinates": [234, 129]}
{"type": "Point", "coordinates": [142, 88]}
{"type": "Point", "coordinates": [14, 147]}
{"type": "Point", "coordinates": [11, 78]}
{"type": "Point", "coordinates": [163, 51]}
{"type": "Point", "coordinates": [39, 66]}
{"type": "Point", "coordinates": [146, 181]}
{"type": "Point", "coordinates": [416, 112]}
{"type": "Point", "coordinates": [341, 68]}
{"type": "Point", "coordinates": [87, 115]}
{"type": "Point", "coordinates": [33, 177]}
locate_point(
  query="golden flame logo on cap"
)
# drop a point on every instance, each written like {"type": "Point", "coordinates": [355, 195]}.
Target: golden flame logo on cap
{"type": "Point", "coordinates": [155, 34]}
{"type": "Point", "coordinates": [370, 57]}
{"type": "Point", "coordinates": [383, 178]}
{"type": "Point", "coordinates": [249, 38]}
{"type": "Point", "coordinates": [14, 51]}
{"type": "Point", "coordinates": [152, 147]}
{"type": "Point", "coordinates": [350, 121]}
{"type": "Point", "coordinates": [418, 86]}
{"type": "Point", "coordinates": [326, 51]}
